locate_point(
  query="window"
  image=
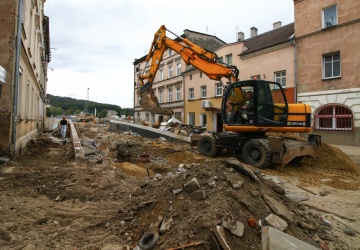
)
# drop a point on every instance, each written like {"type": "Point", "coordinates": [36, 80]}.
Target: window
{"type": "Point", "coordinates": [228, 59]}
{"type": "Point", "coordinates": [170, 72]}
{"type": "Point", "coordinates": [191, 93]}
{"type": "Point", "coordinates": [169, 94]}
{"type": "Point", "coordinates": [203, 91]}
{"type": "Point", "coordinates": [257, 77]}
{"type": "Point", "coordinates": [190, 77]}
{"type": "Point", "coordinates": [280, 77]}
{"type": "Point", "coordinates": [177, 93]}
{"type": "Point", "coordinates": [161, 96]}
{"type": "Point", "coordinates": [203, 120]}
{"type": "Point", "coordinates": [161, 74]}
{"type": "Point", "coordinates": [200, 74]}
{"type": "Point", "coordinates": [221, 59]}
{"type": "Point", "coordinates": [178, 116]}
{"type": "Point", "coordinates": [218, 89]}
{"type": "Point", "coordinates": [178, 69]}
{"type": "Point", "coordinates": [334, 118]}
{"type": "Point", "coordinates": [170, 52]}
{"type": "Point", "coordinates": [191, 116]}
{"type": "Point", "coordinates": [331, 65]}
{"type": "Point", "coordinates": [329, 17]}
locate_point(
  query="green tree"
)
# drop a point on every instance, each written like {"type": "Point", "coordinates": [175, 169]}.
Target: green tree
{"type": "Point", "coordinates": [103, 113]}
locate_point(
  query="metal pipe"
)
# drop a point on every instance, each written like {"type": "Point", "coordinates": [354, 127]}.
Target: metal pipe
{"type": "Point", "coordinates": [16, 78]}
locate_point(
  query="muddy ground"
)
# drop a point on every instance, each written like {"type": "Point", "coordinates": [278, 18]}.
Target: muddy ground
{"type": "Point", "coordinates": [110, 199]}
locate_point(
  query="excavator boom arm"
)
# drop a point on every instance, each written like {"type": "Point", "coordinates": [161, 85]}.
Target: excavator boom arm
{"type": "Point", "coordinates": [202, 59]}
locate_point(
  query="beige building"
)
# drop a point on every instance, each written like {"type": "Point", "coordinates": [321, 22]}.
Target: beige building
{"type": "Point", "coordinates": [328, 66]}
{"type": "Point", "coordinates": [23, 73]}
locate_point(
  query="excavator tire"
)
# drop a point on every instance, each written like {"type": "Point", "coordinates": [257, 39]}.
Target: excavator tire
{"type": "Point", "coordinates": [256, 152]}
{"type": "Point", "coordinates": [207, 145]}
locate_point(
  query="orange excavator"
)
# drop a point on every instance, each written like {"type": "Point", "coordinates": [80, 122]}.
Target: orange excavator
{"type": "Point", "coordinates": [250, 109]}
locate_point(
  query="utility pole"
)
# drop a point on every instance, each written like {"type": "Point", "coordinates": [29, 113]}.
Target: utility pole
{"type": "Point", "coordinates": [86, 102]}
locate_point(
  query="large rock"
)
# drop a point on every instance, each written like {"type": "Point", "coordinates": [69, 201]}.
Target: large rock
{"type": "Point", "coordinates": [273, 239]}
{"type": "Point", "coordinates": [278, 208]}
{"type": "Point", "coordinates": [276, 222]}
{"type": "Point", "coordinates": [191, 186]}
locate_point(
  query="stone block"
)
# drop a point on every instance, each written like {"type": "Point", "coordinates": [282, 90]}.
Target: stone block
{"type": "Point", "coordinates": [198, 195]}
{"type": "Point", "coordinates": [273, 239]}
{"type": "Point", "coordinates": [192, 185]}
{"type": "Point", "coordinates": [276, 222]}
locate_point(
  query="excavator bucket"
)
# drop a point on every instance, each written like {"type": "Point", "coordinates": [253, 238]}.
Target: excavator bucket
{"type": "Point", "coordinates": [150, 102]}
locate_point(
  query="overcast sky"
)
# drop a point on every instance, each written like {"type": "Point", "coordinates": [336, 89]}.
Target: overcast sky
{"type": "Point", "coordinates": [95, 42]}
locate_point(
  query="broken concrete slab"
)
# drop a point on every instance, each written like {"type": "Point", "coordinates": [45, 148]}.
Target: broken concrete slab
{"type": "Point", "coordinates": [278, 208]}
{"type": "Point", "coordinates": [237, 228]}
{"type": "Point", "coordinates": [276, 222]}
{"type": "Point", "coordinates": [219, 233]}
{"type": "Point", "coordinates": [198, 195]}
{"type": "Point", "coordinates": [192, 185]}
{"type": "Point", "coordinates": [274, 239]}
{"type": "Point", "coordinates": [233, 162]}
{"type": "Point", "coordinates": [165, 225]}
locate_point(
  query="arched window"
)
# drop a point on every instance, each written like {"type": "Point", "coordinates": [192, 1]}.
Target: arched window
{"type": "Point", "coordinates": [333, 117]}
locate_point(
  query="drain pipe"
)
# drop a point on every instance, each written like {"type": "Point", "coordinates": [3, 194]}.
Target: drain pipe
{"type": "Point", "coordinates": [16, 77]}
{"type": "Point", "coordinates": [292, 42]}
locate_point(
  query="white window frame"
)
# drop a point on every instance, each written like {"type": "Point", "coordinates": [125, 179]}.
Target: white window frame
{"type": "Point", "coordinates": [331, 63]}
{"type": "Point", "coordinates": [280, 77]}
{"type": "Point", "coordinates": [170, 94]}
{"type": "Point", "coordinates": [178, 94]}
{"type": "Point", "coordinates": [228, 59]}
{"type": "Point", "coordinates": [161, 74]}
{"type": "Point", "coordinates": [218, 89]}
{"type": "Point", "coordinates": [203, 91]}
{"type": "Point", "coordinates": [191, 94]}
{"type": "Point", "coordinates": [170, 72]}
{"type": "Point", "coordinates": [325, 24]}
{"type": "Point", "coordinates": [178, 69]}
{"type": "Point", "coordinates": [191, 118]}
{"type": "Point", "coordinates": [203, 120]}
{"type": "Point", "coordinates": [161, 95]}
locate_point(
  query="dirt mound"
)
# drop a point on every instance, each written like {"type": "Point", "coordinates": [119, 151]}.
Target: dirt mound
{"type": "Point", "coordinates": [51, 201]}
{"type": "Point", "coordinates": [332, 158]}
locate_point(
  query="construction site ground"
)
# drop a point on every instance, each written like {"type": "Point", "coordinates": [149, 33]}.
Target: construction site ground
{"type": "Point", "coordinates": [49, 200]}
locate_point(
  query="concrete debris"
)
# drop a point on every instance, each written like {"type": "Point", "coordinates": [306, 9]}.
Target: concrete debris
{"type": "Point", "coordinates": [166, 225]}
{"type": "Point", "coordinates": [277, 207]}
{"type": "Point", "coordinates": [219, 233]}
{"type": "Point", "coordinates": [274, 239]}
{"type": "Point", "coordinates": [191, 186]}
{"type": "Point", "coordinates": [198, 195]}
{"type": "Point", "coordinates": [276, 222]}
{"type": "Point", "coordinates": [156, 223]}
{"type": "Point", "coordinates": [235, 227]}
{"type": "Point", "coordinates": [278, 189]}
{"type": "Point", "coordinates": [137, 192]}
{"type": "Point", "coordinates": [233, 162]}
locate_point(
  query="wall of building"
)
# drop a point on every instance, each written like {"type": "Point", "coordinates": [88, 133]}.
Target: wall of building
{"type": "Point", "coordinates": [30, 106]}
{"type": "Point", "coordinates": [312, 43]}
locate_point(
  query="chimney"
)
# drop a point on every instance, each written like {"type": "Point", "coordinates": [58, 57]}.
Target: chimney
{"type": "Point", "coordinates": [240, 36]}
{"type": "Point", "coordinates": [253, 32]}
{"type": "Point", "coordinates": [277, 25]}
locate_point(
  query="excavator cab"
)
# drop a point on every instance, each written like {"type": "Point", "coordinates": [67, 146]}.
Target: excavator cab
{"type": "Point", "coordinates": [265, 106]}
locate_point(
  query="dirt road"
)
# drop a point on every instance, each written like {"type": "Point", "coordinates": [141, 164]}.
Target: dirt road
{"type": "Point", "coordinates": [110, 199]}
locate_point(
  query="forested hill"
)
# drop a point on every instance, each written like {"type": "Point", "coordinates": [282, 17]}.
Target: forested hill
{"type": "Point", "coordinates": [69, 106]}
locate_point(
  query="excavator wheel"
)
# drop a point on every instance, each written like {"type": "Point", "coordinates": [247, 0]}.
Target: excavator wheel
{"type": "Point", "coordinates": [207, 145]}
{"type": "Point", "coordinates": [256, 152]}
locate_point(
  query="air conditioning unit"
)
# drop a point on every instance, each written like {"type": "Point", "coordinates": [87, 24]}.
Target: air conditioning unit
{"type": "Point", "coordinates": [205, 104]}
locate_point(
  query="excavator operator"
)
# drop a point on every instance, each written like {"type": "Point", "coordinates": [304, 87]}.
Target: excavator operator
{"type": "Point", "coordinates": [249, 104]}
